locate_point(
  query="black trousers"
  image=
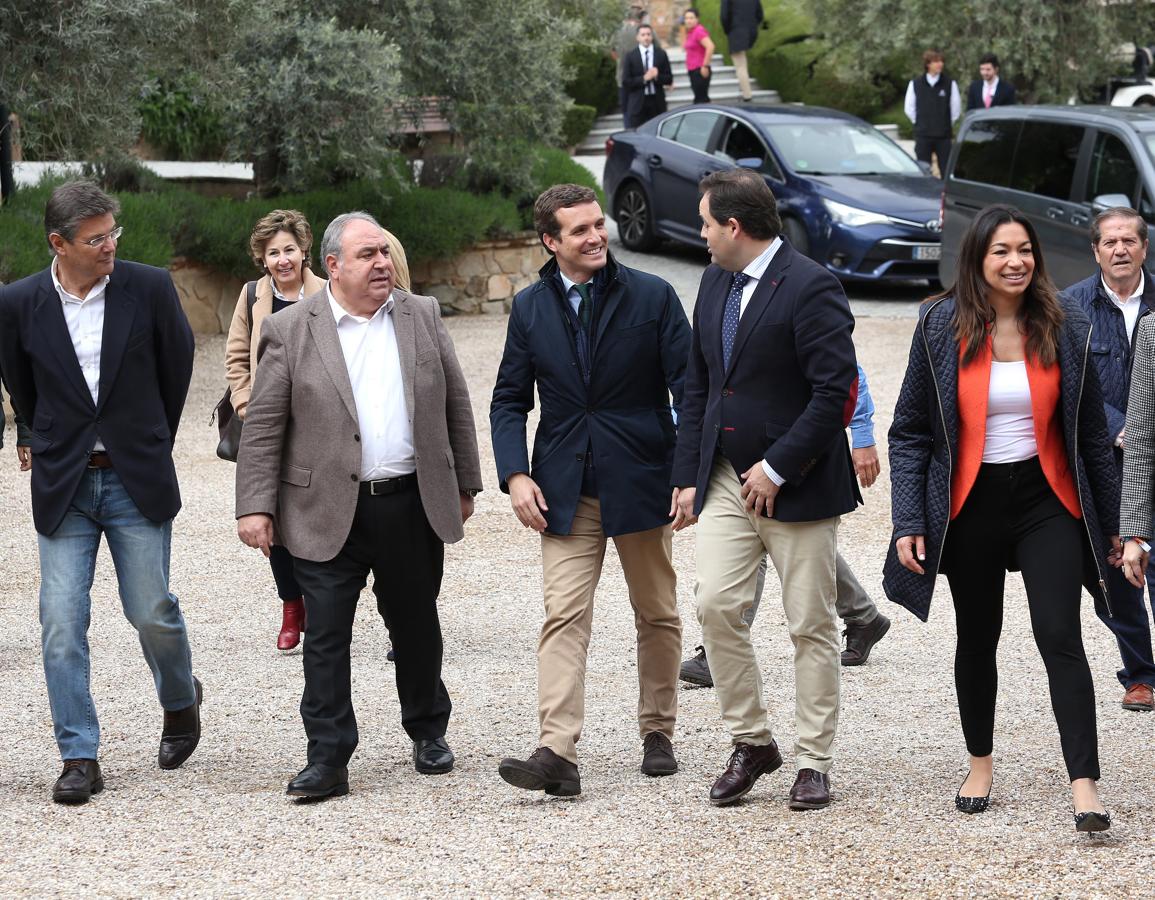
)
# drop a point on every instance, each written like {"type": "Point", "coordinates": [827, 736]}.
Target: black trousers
{"type": "Point", "coordinates": [281, 562]}
{"type": "Point", "coordinates": [700, 85]}
{"type": "Point", "coordinates": [1012, 516]}
{"type": "Point", "coordinates": [390, 537]}
{"type": "Point", "coordinates": [940, 147]}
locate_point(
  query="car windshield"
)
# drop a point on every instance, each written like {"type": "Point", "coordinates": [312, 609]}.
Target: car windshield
{"type": "Point", "coordinates": [839, 148]}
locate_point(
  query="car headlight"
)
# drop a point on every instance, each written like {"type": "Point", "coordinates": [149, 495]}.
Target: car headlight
{"type": "Point", "coordinates": [851, 216]}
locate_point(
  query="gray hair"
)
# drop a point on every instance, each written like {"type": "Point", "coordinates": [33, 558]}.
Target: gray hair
{"type": "Point", "coordinates": [1117, 212]}
{"type": "Point", "coordinates": [72, 203]}
{"type": "Point", "coordinates": [331, 240]}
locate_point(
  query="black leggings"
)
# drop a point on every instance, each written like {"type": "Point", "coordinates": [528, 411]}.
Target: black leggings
{"type": "Point", "coordinates": [281, 562]}
{"type": "Point", "coordinates": [1012, 517]}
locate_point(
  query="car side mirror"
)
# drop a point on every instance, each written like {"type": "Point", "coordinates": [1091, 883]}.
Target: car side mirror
{"type": "Point", "coordinates": [925, 166]}
{"type": "Point", "coordinates": [750, 162]}
{"type": "Point", "coordinates": [1110, 201]}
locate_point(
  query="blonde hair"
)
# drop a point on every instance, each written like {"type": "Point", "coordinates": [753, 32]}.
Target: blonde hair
{"type": "Point", "coordinates": [289, 220]}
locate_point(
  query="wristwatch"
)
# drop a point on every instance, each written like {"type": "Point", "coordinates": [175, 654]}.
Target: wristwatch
{"type": "Point", "coordinates": [1142, 543]}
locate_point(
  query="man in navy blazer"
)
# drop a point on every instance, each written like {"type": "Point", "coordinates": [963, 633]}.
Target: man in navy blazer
{"type": "Point", "coordinates": [762, 465]}
{"type": "Point", "coordinates": [989, 89]}
{"type": "Point", "coordinates": [98, 357]}
{"type": "Point", "coordinates": [605, 346]}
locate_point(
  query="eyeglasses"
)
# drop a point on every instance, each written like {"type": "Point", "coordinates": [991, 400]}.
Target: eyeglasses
{"type": "Point", "coordinates": [98, 241]}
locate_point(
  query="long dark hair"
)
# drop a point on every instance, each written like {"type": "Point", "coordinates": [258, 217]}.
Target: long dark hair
{"type": "Point", "coordinates": [1040, 316]}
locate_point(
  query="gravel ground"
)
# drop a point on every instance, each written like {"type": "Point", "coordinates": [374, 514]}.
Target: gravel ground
{"type": "Point", "coordinates": [221, 826]}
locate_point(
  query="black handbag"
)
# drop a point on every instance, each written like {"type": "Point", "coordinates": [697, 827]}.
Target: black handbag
{"type": "Point", "coordinates": [228, 422]}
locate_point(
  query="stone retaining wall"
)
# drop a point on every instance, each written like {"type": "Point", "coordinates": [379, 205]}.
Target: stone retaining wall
{"type": "Point", "coordinates": [483, 279]}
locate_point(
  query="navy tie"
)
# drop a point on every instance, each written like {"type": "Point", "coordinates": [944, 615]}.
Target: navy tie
{"type": "Point", "coordinates": [730, 317]}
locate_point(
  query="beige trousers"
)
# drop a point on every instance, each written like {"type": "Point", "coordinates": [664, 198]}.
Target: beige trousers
{"type": "Point", "coordinates": [743, 73]}
{"type": "Point", "coordinates": [572, 565]}
{"type": "Point", "coordinates": [730, 544]}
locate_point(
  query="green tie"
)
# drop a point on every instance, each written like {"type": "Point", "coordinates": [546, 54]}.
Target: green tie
{"type": "Point", "coordinates": [585, 307]}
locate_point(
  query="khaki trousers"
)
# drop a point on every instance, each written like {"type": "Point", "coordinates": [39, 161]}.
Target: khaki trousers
{"type": "Point", "coordinates": [743, 73]}
{"type": "Point", "coordinates": [730, 544]}
{"type": "Point", "coordinates": [572, 565]}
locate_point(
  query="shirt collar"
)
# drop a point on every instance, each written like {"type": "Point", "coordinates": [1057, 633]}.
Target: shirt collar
{"type": "Point", "coordinates": [567, 284]}
{"type": "Point", "coordinates": [280, 296]}
{"type": "Point", "coordinates": [97, 289]}
{"type": "Point", "coordinates": [992, 85]}
{"type": "Point", "coordinates": [757, 266]}
{"type": "Point", "coordinates": [932, 80]}
{"type": "Point", "coordinates": [1116, 298]}
{"type": "Point", "coordinates": [339, 312]}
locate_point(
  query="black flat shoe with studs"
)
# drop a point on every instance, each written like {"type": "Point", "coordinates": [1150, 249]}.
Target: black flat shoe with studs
{"type": "Point", "coordinates": [1090, 822]}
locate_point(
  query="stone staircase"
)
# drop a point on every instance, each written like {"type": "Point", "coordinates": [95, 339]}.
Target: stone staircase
{"type": "Point", "coordinates": [723, 90]}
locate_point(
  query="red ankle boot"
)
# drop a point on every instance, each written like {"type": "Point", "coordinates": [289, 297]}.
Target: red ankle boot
{"type": "Point", "coordinates": [292, 624]}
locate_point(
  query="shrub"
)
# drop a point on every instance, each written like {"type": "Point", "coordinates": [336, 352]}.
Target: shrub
{"type": "Point", "coordinates": [180, 120]}
{"type": "Point", "coordinates": [577, 124]}
{"type": "Point", "coordinates": [593, 81]}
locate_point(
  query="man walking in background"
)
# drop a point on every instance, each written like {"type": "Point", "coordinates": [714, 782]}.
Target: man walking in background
{"type": "Point", "coordinates": [932, 105]}
{"type": "Point", "coordinates": [98, 356]}
{"type": "Point", "coordinates": [741, 20]}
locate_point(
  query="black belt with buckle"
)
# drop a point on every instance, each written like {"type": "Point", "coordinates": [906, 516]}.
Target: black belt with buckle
{"type": "Point", "coordinates": [388, 485]}
{"type": "Point", "coordinates": [98, 459]}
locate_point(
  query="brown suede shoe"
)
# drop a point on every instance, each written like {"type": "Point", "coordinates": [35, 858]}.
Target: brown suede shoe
{"type": "Point", "coordinates": [811, 790]}
{"type": "Point", "coordinates": [543, 771]}
{"type": "Point", "coordinates": [1139, 697]}
{"type": "Point", "coordinates": [747, 764]}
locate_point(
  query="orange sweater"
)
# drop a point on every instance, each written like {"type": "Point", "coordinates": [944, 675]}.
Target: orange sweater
{"type": "Point", "coordinates": [974, 381]}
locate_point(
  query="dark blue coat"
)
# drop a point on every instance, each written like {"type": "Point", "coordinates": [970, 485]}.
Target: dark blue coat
{"type": "Point", "coordinates": [1111, 346]}
{"type": "Point", "coordinates": [924, 444]}
{"type": "Point", "coordinates": [787, 395]}
{"type": "Point", "coordinates": [146, 362]}
{"type": "Point", "coordinates": [639, 347]}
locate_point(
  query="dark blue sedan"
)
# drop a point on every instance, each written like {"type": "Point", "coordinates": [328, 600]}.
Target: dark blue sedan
{"type": "Point", "coordinates": [849, 196]}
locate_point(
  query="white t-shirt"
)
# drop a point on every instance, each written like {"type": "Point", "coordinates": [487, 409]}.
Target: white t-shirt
{"type": "Point", "coordinates": [1010, 421]}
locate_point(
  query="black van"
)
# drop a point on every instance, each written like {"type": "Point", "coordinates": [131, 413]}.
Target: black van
{"type": "Point", "coordinates": [1060, 165]}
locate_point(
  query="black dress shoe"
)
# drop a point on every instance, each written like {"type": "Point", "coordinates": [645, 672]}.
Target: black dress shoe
{"type": "Point", "coordinates": [696, 670]}
{"type": "Point", "coordinates": [860, 639]}
{"type": "Point", "coordinates": [317, 780]}
{"type": "Point", "coordinates": [1089, 822]}
{"type": "Point", "coordinates": [747, 764]}
{"type": "Point", "coordinates": [543, 771]}
{"type": "Point", "coordinates": [181, 732]}
{"type": "Point", "coordinates": [80, 779]}
{"type": "Point", "coordinates": [432, 756]}
{"type": "Point", "coordinates": [658, 755]}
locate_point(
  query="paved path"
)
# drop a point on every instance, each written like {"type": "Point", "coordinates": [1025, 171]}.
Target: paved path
{"type": "Point", "coordinates": [222, 827]}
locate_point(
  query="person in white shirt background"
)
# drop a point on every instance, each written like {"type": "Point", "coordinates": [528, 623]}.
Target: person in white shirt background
{"type": "Point", "coordinates": [933, 106]}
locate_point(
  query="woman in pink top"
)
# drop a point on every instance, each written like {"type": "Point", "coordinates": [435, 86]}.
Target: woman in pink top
{"type": "Point", "coordinates": [699, 51]}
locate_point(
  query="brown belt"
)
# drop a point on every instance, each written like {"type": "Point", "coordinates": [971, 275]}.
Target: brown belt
{"type": "Point", "coordinates": [98, 459]}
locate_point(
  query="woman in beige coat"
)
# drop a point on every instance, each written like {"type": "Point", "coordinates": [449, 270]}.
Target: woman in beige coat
{"type": "Point", "coordinates": [280, 245]}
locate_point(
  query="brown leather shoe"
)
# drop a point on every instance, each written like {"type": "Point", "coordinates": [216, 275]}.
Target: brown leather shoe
{"type": "Point", "coordinates": [658, 755]}
{"type": "Point", "coordinates": [543, 771]}
{"type": "Point", "coordinates": [1139, 697]}
{"type": "Point", "coordinates": [747, 764]}
{"type": "Point", "coordinates": [811, 790]}
{"type": "Point", "coordinates": [80, 779]}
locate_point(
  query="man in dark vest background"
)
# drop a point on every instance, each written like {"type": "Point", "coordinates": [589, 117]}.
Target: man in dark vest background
{"type": "Point", "coordinates": [933, 106]}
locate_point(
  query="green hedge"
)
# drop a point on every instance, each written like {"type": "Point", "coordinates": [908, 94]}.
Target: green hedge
{"type": "Point", "coordinates": [594, 81]}
{"type": "Point", "coordinates": [577, 124]}
{"type": "Point", "coordinates": [432, 223]}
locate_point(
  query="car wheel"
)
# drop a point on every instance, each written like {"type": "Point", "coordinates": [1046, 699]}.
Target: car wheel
{"type": "Point", "coordinates": [795, 233]}
{"type": "Point", "coordinates": [634, 218]}
{"type": "Point", "coordinates": [1145, 101]}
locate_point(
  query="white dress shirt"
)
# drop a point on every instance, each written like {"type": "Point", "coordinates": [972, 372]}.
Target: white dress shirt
{"type": "Point", "coordinates": [647, 64]}
{"type": "Point", "coordinates": [374, 365]}
{"type": "Point", "coordinates": [1130, 307]}
{"type": "Point", "coordinates": [989, 88]}
{"type": "Point", "coordinates": [909, 106]}
{"type": "Point", "coordinates": [85, 320]}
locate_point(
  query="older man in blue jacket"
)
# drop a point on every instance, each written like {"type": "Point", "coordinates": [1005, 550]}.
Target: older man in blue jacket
{"type": "Point", "coordinates": [1115, 298]}
{"type": "Point", "coordinates": [606, 347]}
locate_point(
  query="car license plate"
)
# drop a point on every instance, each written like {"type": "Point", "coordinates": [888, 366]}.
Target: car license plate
{"type": "Point", "coordinates": [928, 252]}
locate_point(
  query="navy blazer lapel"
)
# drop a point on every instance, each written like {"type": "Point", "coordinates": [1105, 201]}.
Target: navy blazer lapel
{"type": "Point", "coordinates": [763, 293]}
{"type": "Point", "coordinates": [119, 311]}
{"type": "Point", "coordinates": [49, 317]}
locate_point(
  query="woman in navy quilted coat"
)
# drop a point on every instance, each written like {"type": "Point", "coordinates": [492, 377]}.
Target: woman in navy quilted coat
{"type": "Point", "coordinates": [1000, 460]}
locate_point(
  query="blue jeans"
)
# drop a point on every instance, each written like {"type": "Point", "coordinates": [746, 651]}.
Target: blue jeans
{"type": "Point", "coordinates": [140, 553]}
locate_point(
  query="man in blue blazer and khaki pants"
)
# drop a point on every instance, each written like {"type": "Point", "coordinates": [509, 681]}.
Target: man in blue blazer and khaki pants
{"type": "Point", "coordinates": [98, 356]}
{"type": "Point", "coordinates": [763, 466]}
{"type": "Point", "coordinates": [605, 346]}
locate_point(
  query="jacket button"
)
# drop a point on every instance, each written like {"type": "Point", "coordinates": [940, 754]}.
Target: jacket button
{"type": "Point", "coordinates": [357, 437]}
{"type": "Point", "coordinates": [581, 457]}
{"type": "Point", "coordinates": [353, 477]}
